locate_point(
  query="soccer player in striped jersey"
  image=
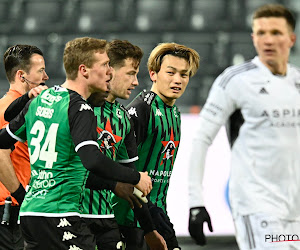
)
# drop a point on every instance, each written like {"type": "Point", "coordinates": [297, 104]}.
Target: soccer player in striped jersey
{"type": "Point", "coordinates": [157, 126]}
{"type": "Point", "coordinates": [62, 141]}
{"type": "Point", "coordinates": [260, 99]}
{"type": "Point", "coordinates": [117, 141]}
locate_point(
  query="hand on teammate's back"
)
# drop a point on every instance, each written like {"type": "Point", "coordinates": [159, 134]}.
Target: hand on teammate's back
{"type": "Point", "coordinates": [199, 215]}
{"type": "Point", "coordinates": [36, 91]}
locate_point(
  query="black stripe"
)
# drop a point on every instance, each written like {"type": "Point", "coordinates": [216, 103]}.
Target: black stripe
{"type": "Point", "coordinates": [91, 201]}
{"type": "Point", "coordinates": [168, 132]}
{"type": "Point", "coordinates": [154, 131]}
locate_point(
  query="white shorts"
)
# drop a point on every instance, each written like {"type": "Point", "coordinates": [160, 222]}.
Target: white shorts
{"type": "Point", "coordinates": [263, 232]}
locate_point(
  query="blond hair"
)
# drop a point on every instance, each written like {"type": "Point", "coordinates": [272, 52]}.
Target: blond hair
{"type": "Point", "coordinates": [190, 55]}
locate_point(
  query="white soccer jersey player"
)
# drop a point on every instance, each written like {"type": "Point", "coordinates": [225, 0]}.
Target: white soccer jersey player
{"type": "Point", "coordinates": [265, 167]}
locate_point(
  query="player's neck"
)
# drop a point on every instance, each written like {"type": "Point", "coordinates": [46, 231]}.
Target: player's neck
{"type": "Point", "coordinates": [111, 98]}
{"type": "Point", "coordinates": [81, 89]}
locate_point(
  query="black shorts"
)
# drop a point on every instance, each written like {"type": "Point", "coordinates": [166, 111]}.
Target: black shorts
{"type": "Point", "coordinates": [55, 233]}
{"type": "Point", "coordinates": [10, 235]}
{"type": "Point", "coordinates": [106, 231]}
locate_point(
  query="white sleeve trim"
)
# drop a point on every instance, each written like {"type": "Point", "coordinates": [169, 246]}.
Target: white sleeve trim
{"type": "Point", "coordinates": [129, 160]}
{"type": "Point", "coordinates": [13, 135]}
{"type": "Point", "coordinates": [84, 143]}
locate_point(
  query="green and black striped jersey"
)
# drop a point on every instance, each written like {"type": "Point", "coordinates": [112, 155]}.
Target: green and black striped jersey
{"type": "Point", "coordinates": [157, 129]}
{"type": "Point", "coordinates": [116, 140]}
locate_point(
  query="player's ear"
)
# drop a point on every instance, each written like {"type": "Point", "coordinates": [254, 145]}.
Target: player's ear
{"type": "Point", "coordinates": [153, 75]}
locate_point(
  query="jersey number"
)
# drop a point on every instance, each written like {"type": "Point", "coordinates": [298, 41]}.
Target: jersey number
{"type": "Point", "coordinates": [45, 152]}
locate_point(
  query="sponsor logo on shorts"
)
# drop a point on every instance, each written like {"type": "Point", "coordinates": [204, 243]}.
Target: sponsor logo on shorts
{"type": "Point", "coordinates": [73, 247]}
{"type": "Point", "coordinates": [64, 223]}
{"type": "Point", "coordinates": [68, 236]}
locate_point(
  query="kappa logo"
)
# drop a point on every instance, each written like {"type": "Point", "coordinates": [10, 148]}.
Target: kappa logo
{"type": "Point", "coordinates": [64, 223]}
{"type": "Point", "coordinates": [132, 112]}
{"type": "Point", "coordinates": [73, 247]}
{"type": "Point", "coordinates": [85, 107]}
{"type": "Point", "coordinates": [263, 91]}
{"type": "Point", "coordinates": [158, 113]}
{"type": "Point", "coordinates": [68, 236]}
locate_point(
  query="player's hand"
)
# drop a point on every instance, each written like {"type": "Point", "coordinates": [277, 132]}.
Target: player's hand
{"type": "Point", "coordinates": [140, 195]}
{"type": "Point", "coordinates": [145, 184]}
{"type": "Point", "coordinates": [199, 215]}
{"type": "Point", "coordinates": [125, 191]}
{"type": "Point", "coordinates": [36, 91]}
{"type": "Point", "coordinates": [161, 221]}
{"type": "Point", "coordinates": [155, 241]}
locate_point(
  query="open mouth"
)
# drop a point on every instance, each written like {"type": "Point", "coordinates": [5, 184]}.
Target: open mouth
{"type": "Point", "coordinates": [176, 88]}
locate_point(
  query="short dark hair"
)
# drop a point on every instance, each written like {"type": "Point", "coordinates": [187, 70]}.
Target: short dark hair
{"type": "Point", "coordinates": [18, 57]}
{"type": "Point", "coordinates": [276, 10]}
{"type": "Point", "coordinates": [120, 50]}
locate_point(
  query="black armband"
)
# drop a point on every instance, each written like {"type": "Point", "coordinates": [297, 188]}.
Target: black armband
{"type": "Point", "coordinates": [98, 183]}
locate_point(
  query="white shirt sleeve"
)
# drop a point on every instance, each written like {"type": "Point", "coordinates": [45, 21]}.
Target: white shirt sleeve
{"type": "Point", "coordinates": [205, 133]}
{"type": "Point", "coordinates": [216, 111]}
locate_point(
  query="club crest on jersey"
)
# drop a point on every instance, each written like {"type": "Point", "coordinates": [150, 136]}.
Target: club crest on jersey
{"type": "Point", "coordinates": [132, 112]}
{"type": "Point", "coordinates": [107, 138]}
{"type": "Point", "coordinates": [169, 147]}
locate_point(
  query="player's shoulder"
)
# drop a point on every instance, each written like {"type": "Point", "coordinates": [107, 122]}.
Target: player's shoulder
{"type": "Point", "coordinates": [236, 71]}
{"type": "Point", "coordinates": [123, 109]}
{"type": "Point", "coordinates": [77, 103]}
{"type": "Point", "coordinates": [143, 100]}
{"type": "Point", "coordinates": [294, 70]}
{"type": "Point", "coordinates": [141, 104]}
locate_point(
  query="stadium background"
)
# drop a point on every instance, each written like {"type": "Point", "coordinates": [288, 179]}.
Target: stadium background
{"type": "Point", "coordinates": [218, 29]}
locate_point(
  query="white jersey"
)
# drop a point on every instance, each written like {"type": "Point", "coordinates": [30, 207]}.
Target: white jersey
{"type": "Point", "coordinates": [265, 161]}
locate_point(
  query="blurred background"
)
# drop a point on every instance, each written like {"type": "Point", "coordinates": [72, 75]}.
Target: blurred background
{"type": "Point", "coordinates": [219, 30]}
